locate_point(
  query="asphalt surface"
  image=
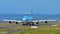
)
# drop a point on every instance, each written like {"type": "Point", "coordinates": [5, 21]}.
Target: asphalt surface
{"type": "Point", "coordinates": [5, 26]}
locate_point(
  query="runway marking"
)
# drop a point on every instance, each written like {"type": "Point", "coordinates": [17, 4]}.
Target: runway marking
{"type": "Point", "coordinates": [54, 25]}
{"type": "Point", "coordinates": [34, 27]}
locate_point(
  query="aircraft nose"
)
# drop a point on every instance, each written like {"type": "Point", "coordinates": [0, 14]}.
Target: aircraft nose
{"type": "Point", "coordinates": [24, 19]}
{"type": "Point", "coordinates": [27, 18]}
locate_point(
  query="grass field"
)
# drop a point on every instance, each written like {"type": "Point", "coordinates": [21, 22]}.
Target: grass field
{"type": "Point", "coordinates": [28, 30]}
{"type": "Point", "coordinates": [39, 30]}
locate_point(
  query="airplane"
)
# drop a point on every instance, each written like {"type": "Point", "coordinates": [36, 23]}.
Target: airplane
{"type": "Point", "coordinates": [29, 21]}
{"type": "Point", "coordinates": [26, 20]}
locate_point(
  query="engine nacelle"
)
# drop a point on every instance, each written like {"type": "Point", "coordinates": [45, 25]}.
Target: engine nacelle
{"type": "Point", "coordinates": [46, 22]}
{"type": "Point", "coordinates": [37, 23]}
{"type": "Point", "coordinates": [10, 22]}
{"type": "Point", "coordinates": [16, 22]}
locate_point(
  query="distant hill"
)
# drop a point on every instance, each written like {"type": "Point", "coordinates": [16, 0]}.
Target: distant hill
{"type": "Point", "coordinates": [36, 16]}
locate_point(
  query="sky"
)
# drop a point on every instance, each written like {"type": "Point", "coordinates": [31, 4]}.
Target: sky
{"type": "Point", "coordinates": [51, 7]}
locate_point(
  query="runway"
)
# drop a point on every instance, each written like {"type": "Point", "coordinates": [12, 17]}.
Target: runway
{"type": "Point", "coordinates": [46, 24]}
{"type": "Point", "coordinates": [27, 25]}
{"type": "Point", "coordinates": [5, 26]}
